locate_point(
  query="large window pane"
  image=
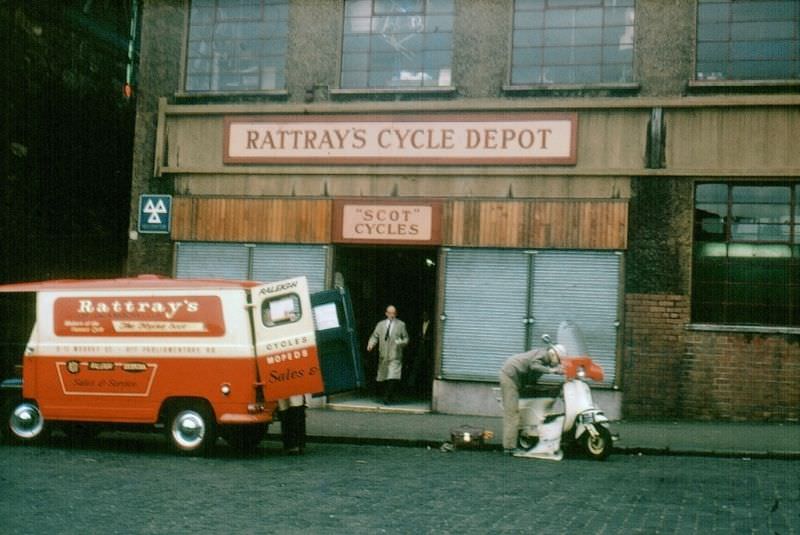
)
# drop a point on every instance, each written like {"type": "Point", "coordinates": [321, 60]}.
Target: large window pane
{"type": "Point", "coordinates": [709, 221]}
{"type": "Point", "coordinates": [395, 41]}
{"type": "Point", "coordinates": [760, 213]}
{"type": "Point", "coordinates": [237, 45]}
{"type": "Point", "coordinates": [748, 39]}
{"type": "Point", "coordinates": [746, 269]}
{"type": "Point", "coordinates": [572, 41]}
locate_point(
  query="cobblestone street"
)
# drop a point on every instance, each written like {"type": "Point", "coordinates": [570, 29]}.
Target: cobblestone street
{"type": "Point", "coordinates": [133, 485]}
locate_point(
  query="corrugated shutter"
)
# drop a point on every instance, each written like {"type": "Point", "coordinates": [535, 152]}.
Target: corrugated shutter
{"type": "Point", "coordinates": [273, 262]}
{"type": "Point", "coordinates": [582, 286]}
{"type": "Point", "coordinates": [262, 262]}
{"type": "Point", "coordinates": [198, 260]}
{"type": "Point", "coordinates": [485, 304]}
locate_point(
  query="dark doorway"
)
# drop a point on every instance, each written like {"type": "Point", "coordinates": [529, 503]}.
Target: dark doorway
{"type": "Point", "coordinates": [406, 278]}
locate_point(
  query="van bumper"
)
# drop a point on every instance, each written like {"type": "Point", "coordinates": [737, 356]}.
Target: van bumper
{"type": "Point", "coordinates": [256, 413]}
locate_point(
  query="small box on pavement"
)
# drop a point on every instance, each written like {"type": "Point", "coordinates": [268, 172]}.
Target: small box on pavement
{"type": "Point", "coordinates": [467, 436]}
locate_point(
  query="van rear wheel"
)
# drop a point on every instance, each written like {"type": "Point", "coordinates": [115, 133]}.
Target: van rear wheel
{"type": "Point", "coordinates": [191, 428]}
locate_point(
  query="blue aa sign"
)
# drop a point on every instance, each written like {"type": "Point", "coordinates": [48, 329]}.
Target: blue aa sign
{"type": "Point", "coordinates": [155, 213]}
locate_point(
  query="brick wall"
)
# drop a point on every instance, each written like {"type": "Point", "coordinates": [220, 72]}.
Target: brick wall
{"type": "Point", "coordinates": [670, 371]}
{"type": "Point", "coordinates": [653, 349]}
{"type": "Point", "coordinates": [737, 376]}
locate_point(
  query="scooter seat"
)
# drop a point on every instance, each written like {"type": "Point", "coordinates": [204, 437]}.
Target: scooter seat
{"type": "Point", "coordinates": [540, 391]}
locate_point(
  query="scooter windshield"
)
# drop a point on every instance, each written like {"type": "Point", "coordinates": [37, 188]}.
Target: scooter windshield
{"type": "Point", "coordinates": [570, 336]}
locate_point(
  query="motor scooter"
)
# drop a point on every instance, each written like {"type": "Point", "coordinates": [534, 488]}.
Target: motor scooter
{"type": "Point", "coordinates": [565, 414]}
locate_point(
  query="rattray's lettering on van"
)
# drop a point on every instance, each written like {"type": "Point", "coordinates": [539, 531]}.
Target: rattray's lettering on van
{"type": "Point", "coordinates": [116, 308]}
{"type": "Point", "coordinates": [139, 316]}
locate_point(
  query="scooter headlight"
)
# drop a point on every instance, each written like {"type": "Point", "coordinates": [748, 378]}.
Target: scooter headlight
{"type": "Point", "coordinates": [580, 373]}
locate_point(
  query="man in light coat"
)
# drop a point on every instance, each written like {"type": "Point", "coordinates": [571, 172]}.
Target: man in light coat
{"type": "Point", "coordinates": [390, 336]}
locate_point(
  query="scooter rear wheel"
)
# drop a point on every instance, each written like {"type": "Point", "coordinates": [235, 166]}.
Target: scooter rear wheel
{"type": "Point", "coordinates": [597, 447]}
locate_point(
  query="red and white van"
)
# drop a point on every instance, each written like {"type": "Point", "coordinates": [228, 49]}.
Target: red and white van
{"type": "Point", "coordinates": [202, 358]}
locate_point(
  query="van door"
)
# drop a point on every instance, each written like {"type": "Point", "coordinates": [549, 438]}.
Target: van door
{"type": "Point", "coordinates": [342, 369]}
{"type": "Point", "coordinates": [285, 344]}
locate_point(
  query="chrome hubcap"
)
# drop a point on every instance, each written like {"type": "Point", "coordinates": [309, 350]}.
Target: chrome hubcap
{"type": "Point", "coordinates": [26, 421]}
{"type": "Point", "coordinates": [188, 429]}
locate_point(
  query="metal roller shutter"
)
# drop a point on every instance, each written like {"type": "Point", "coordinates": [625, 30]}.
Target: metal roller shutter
{"type": "Point", "coordinates": [273, 262]}
{"type": "Point", "coordinates": [200, 260]}
{"type": "Point", "coordinates": [262, 262]}
{"type": "Point", "coordinates": [486, 293]}
{"type": "Point", "coordinates": [582, 286]}
{"type": "Point", "coordinates": [489, 294]}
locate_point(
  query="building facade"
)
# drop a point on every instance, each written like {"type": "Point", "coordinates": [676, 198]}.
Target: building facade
{"type": "Point", "coordinates": [492, 168]}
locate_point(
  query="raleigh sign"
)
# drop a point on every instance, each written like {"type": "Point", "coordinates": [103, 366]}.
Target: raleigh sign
{"type": "Point", "coordinates": [443, 139]}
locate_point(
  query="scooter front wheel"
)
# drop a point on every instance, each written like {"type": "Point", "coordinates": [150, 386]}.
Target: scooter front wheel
{"type": "Point", "coordinates": [597, 447]}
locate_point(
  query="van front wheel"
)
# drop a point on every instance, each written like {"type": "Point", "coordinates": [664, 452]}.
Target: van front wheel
{"type": "Point", "coordinates": [191, 429]}
{"type": "Point", "coordinates": [23, 421]}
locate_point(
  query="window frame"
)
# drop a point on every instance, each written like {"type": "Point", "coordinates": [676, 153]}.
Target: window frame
{"type": "Point", "coordinates": [615, 86]}
{"type": "Point", "coordinates": [279, 91]}
{"type": "Point", "coordinates": [718, 79]}
{"type": "Point", "coordinates": [402, 86]}
{"type": "Point", "coordinates": [726, 255]}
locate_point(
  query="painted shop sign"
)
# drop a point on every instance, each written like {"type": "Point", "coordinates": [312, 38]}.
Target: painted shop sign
{"type": "Point", "coordinates": [390, 222]}
{"type": "Point", "coordinates": [139, 316]}
{"type": "Point", "coordinates": [500, 139]}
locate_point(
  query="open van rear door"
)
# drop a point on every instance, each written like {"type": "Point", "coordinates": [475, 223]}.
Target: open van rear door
{"type": "Point", "coordinates": [342, 369]}
{"type": "Point", "coordinates": [286, 349]}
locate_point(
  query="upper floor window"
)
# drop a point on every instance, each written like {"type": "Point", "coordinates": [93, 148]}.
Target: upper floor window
{"type": "Point", "coordinates": [747, 254]}
{"type": "Point", "coordinates": [237, 45]}
{"type": "Point", "coordinates": [572, 42]}
{"type": "Point", "coordinates": [397, 43]}
{"type": "Point", "coordinates": [748, 40]}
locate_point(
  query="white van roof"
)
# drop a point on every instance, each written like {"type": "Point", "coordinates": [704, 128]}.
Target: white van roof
{"type": "Point", "coordinates": [142, 282]}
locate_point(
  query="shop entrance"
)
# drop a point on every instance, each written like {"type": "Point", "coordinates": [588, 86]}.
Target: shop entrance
{"type": "Point", "coordinates": [406, 278]}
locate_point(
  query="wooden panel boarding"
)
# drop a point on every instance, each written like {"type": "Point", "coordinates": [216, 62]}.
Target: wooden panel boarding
{"type": "Point", "coordinates": [560, 224]}
{"type": "Point", "coordinates": [538, 224]}
{"type": "Point", "coordinates": [257, 220]}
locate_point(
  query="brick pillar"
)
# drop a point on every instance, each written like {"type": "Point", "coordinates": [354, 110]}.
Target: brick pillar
{"type": "Point", "coordinates": [653, 355]}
